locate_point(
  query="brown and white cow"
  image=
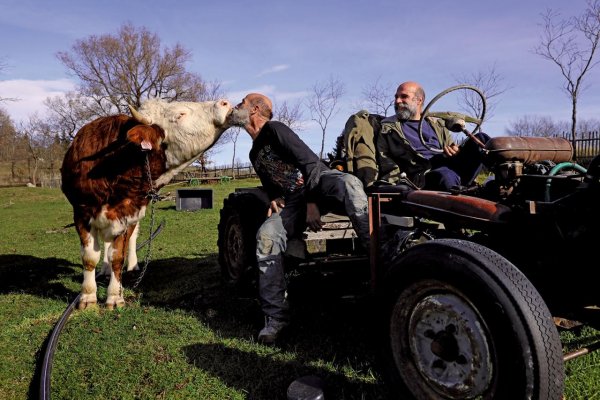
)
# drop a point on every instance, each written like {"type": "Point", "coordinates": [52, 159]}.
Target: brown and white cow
{"type": "Point", "coordinates": [105, 177]}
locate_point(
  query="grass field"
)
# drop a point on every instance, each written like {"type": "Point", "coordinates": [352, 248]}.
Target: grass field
{"type": "Point", "coordinates": [182, 335]}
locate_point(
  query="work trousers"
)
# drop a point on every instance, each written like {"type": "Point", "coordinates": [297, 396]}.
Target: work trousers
{"type": "Point", "coordinates": [339, 192]}
{"type": "Point", "coordinates": [458, 170]}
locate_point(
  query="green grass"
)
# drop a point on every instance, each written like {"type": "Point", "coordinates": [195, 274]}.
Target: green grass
{"type": "Point", "coordinates": [182, 335]}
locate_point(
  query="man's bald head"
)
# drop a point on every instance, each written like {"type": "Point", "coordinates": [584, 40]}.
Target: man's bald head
{"type": "Point", "coordinates": [414, 87]}
{"type": "Point", "coordinates": [264, 104]}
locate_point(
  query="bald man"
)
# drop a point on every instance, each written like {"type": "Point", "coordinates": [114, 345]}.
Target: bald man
{"type": "Point", "coordinates": [300, 187]}
{"type": "Point", "coordinates": [403, 158]}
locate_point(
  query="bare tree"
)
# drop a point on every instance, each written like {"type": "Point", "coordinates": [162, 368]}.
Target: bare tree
{"type": "Point", "coordinates": [571, 44]}
{"type": "Point", "coordinates": [535, 125]}
{"type": "Point", "coordinates": [290, 114]}
{"type": "Point", "coordinates": [378, 97]}
{"type": "Point", "coordinates": [588, 125]}
{"type": "Point", "coordinates": [68, 112]}
{"type": "Point", "coordinates": [323, 104]}
{"type": "Point", "coordinates": [234, 134]}
{"type": "Point", "coordinates": [44, 148]}
{"type": "Point", "coordinates": [129, 67]}
{"type": "Point", "coordinates": [13, 149]}
{"type": "Point", "coordinates": [8, 135]}
{"type": "Point", "coordinates": [491, 84]}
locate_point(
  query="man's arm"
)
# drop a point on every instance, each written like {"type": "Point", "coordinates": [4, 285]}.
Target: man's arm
{"type": "Point", "coordinates": [313, 217]}
{"type": "Point", "coordinates": [388, 169]}
{"type": "Point", "coordinates": [304, 158]}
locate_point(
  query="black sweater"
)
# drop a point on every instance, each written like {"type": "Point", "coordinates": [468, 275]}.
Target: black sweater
{"type": "Point", "coordinates": [281, 159]}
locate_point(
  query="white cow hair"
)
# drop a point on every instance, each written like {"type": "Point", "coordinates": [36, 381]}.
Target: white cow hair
{"type": "Point", "coordinates": [190, 129]}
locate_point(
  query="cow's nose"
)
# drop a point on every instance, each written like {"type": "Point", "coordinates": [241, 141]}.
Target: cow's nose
{"type": "Point", "coordinates": [225, 103]}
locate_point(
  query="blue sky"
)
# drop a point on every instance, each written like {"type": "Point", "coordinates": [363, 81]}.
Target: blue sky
{"type": "Point", "coordinates": [283, 48]}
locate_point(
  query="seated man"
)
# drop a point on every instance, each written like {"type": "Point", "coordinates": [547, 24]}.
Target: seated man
{"type": "Point", "coordinates": [402, 157]}
{"type": "Point", "coordinates": [300, 186]}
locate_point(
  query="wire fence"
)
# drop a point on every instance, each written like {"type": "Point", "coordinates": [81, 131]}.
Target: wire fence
{"type": "Point", "coordinates": [586, 147]}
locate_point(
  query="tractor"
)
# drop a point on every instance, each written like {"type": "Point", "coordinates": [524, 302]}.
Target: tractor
{"type": "Point", "coordinates": [472, 283]}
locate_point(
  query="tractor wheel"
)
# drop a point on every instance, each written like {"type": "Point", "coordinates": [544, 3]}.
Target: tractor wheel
{"type": "Point", "coordinates": [241, 216]}
{"type": "Point", "coordinates": [462, 322]}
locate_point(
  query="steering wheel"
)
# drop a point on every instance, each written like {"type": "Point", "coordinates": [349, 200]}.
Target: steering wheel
{"type": "Point", "coordinates": [454, 121]}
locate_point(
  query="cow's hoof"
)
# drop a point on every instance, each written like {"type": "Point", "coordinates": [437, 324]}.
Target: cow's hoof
{"type": "Point", "coordinates": [135, 267]}
{"type": "Point", "coordinates": [116, 302]}
{"type": "Point", "coordinates": [87, 301]}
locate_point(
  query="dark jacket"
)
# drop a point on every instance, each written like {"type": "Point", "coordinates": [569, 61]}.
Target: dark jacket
{"type": "Point", "coordinates": [397, 157]}
{"type": "Point", "coordinates": [284, 163]}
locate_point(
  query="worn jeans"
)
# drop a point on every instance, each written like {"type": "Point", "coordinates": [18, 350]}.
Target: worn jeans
{"type": "Point", "coordinates": [339, 192]}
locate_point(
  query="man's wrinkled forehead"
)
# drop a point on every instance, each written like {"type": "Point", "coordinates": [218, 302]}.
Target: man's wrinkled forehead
{"type": "Point", "coordinates": [405, 91]}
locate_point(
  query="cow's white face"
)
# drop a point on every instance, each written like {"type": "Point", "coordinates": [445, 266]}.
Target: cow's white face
{"type": "Point", "coordinates": [190, 127]}
{"type": "Point", "coordinates": [186, 117]}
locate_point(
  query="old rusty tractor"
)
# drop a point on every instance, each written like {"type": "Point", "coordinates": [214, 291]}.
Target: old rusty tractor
{"type": "Point", "coordinates": [470, 283]}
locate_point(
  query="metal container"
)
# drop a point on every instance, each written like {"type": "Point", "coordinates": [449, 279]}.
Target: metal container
{"type": "Point", "coordinates": [529, 149]}
{"type": "Point", "coordinates": [193, 199]}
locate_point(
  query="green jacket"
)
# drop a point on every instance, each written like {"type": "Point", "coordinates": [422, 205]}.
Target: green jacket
{"type": "Point", "coordinates": [359, 146]}
{"type": "Point", "coordinates": [397, 157]}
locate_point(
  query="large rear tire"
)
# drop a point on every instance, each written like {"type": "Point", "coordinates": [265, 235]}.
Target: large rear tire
{"type": "Point", "coordinates": [241, 216]}
{"type": "Point", "coordinates": [462, 322]}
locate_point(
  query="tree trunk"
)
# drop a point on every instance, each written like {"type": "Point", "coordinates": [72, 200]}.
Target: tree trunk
{"type": "Point", "coordinates": [233, 161]}
{"type": "Point", "coordinates": [574, 126]}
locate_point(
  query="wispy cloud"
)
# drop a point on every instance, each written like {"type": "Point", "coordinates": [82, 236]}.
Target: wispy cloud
{"type": "Point", "coordinates": [30, 95]}
{"type": "Point", "coordinates": [269, 91]}
{"type": "Point", "coordinates": [274, 69]}
{"type": "Point", "coordinates": [237, 96]}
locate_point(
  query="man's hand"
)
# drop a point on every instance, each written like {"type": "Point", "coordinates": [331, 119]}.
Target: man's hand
{"type": "Point", "coordinates": [451, 150]}
{"type": "Point", "coordinates": [313, 217]}
{"type": "Point", "coordinates": [275, 206]}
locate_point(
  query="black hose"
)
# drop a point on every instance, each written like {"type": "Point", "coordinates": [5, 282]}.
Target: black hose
{"type": "Point", "coordinates": [46, 369]}
{"type": "Point", "coordinates": [51, 348]}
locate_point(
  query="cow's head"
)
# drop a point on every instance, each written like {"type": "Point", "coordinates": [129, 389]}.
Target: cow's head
{"type": "Point", "coordinates": [190, 128]}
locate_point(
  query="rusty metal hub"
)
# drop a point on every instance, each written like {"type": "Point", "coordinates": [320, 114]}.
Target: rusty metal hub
{"type": "Point", "coordinates": [448, 343]}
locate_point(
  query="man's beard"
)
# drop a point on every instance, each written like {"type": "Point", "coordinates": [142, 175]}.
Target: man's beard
{"type": "Point", "coordinates": [239, 117]}
{"type": "Point", "coordinates": [406, 111]}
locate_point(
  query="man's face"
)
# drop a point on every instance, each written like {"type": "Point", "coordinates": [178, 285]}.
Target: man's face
{"type": "Point", "coordinates": [406, 104]}
{"type": "Point", "coordinates": [240, 116]}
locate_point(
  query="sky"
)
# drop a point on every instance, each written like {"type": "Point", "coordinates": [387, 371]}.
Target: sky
{"type": "Point", "coordinates": [284, 48]}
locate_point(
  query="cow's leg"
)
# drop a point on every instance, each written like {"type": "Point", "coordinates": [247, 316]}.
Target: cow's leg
{"type": "Point", "coordinates": [90, 255]}
{"type": "Point", "coordinates": [132, 260]}
{"type": "Point", "coordinates": [114, 292]}
{"type": "Point", "coordinates": [106, 259]}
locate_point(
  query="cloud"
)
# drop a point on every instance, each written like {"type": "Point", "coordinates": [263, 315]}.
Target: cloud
{"type": "Point", "coordinates": [237, 96]}
{"type": "Point", "coordinates": [274, 69]}
{"type": "Point", "coordinates": [30, 95]}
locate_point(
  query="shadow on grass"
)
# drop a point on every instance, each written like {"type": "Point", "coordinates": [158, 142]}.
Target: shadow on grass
{"type": "Point", "coordinates": [328, 327]}
{"type": "Point", "coordinates": [330, 324]}
{"type": "Point", "coordinates": [36, 276]}
{"type": "Point", "coordinates": [267, 377]}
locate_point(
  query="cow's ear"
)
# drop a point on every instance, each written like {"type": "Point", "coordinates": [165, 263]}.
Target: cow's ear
{"type": "Point", "coordinates": [147, 137]}
{"type": "Point", "coordinates": [177, 115]}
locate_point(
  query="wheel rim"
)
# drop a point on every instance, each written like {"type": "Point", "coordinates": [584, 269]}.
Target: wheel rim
{"type": "Point", "coordinates": [235, 250]}
{"type": "Point", "coordinates": [447, 342]}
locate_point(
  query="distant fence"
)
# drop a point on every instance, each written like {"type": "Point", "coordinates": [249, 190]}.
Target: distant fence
{"type": "Point", "coordinates": [586, 147]}
{"type": "Point", "coordinates": [17, 174]}
{"type": "Point", "coordinates": [215, 174]}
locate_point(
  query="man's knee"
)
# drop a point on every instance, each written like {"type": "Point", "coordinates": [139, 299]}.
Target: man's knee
{"type": "Point", "coordinates": [442, 179]}
{"type": "Point", "coordinates": [271, 237]}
